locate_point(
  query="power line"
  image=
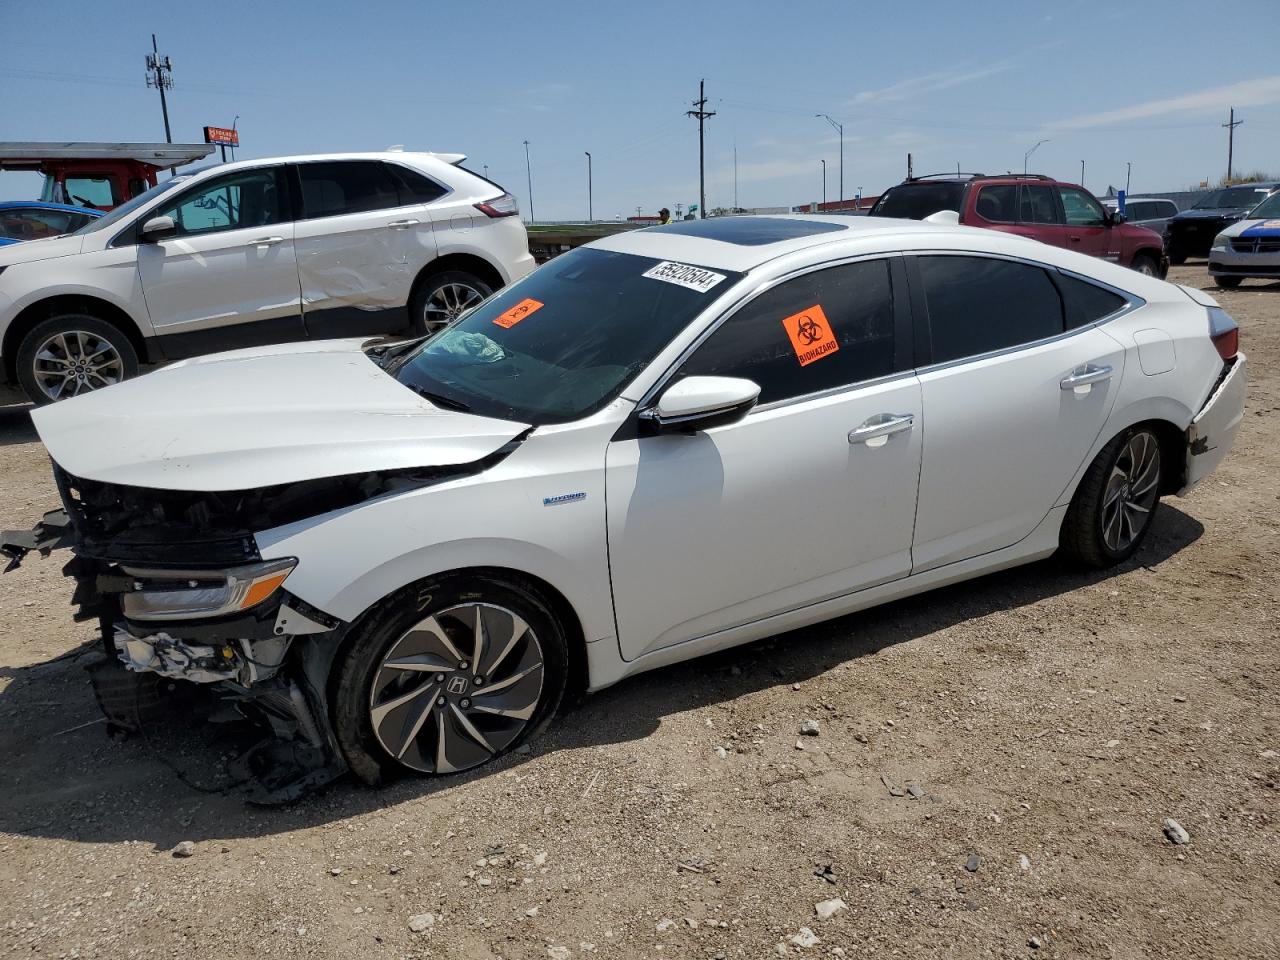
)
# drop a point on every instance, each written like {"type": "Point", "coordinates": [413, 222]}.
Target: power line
{"type": "Point", "coordinates": [702, 114]}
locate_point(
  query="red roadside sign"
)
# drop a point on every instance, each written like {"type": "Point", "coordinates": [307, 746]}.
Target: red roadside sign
{"type": "Point", "coordinates": [222, 136]}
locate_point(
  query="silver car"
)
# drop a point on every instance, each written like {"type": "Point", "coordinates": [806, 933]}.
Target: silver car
{"type": "Point", "coordinates": [1150, 212]}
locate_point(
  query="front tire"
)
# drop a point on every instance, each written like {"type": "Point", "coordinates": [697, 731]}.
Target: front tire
{"type": "Point", "coordinates": [442, 298]}
{"type": "Point", "coordinates": [1114, 505]}
{"type": "Point", "coordinates": [447, 674]}
{"type": "Point", "coordinates": [70, 354]}
{"type": "Point", "coordinates": [1228, 283]}
{"type": "Point", "coordinates": [1177, 259]}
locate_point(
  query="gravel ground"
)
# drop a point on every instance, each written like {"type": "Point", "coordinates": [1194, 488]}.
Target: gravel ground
{"type": "Point", "coordinates": [1048, 720]}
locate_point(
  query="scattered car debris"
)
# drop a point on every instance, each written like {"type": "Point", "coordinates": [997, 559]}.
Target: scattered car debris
{"type": "Point", "coordinates": [915, 790]}
{"type": "Point", "coordinates": [973, 863]}
{"type": "Point", "coordinates": [894, 790]}
{"type": "Point", "coordinates": [805, 938]}
{"type": "Point", "coordinates": [422, 922]}
{"type": "Point", "coordinates": [184, 849]}
{"type": "Point", "coordinates": [826, 871]}
{"type": "Point", "coordinates": [810, 728]}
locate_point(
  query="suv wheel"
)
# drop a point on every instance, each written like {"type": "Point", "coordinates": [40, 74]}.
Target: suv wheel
{"type": "Point", "coordinates": [73, 353]}
{"type": "Point", "coordinates": [1228, 283]}
{"type": "Point", "coordinates": [1177, 259]}
{"type": "Point", "coordinates": [447, 674]}
{"type": "Point", "coordinates": [444, 297]}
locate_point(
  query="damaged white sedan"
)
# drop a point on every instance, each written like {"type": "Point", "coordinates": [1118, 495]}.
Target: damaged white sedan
{"type": "Point", "coordinates": [662, 444]}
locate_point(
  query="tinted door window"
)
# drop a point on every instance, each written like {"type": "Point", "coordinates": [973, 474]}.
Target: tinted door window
{"type": "Point", "coordinates": [1039, 204]}
{"type": "Point", "coordinates": [1080, 208]}
{"type": "Point", "coordinates": [826, 329]}
{"type": "Point", "coordinates": [1167, 208]}
{"type": "Point", "coordinates": [414, 187]}
{"type": "Point", "coordinates": [998, 203]}
{"type": "Point", "coordinates": [977, 305]}
{"type": "Point", "coordinates": [1085, 302]}
{"type": "Point", "coordinates": [346, 186]}
{"type": "Point", "coordinates": [248, 198]}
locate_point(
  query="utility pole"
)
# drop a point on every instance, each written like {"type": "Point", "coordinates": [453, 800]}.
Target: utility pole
{"type": "Point", "coordinates": [233, 130]}
{"type": "Point", "coordinates": [839, 127]}
{"type": "Point", "coordinates": [590, 217]}
{"type": "Point", "coordinates": [528, 169]}
{"type": "Point", "coordinates": [702, 114]}
{"type": "Point", "coordinates": [824, 180]}
{"type": "Point", "coordinates": [735, 176]}
{"type": "Point", "coordinates": [1231, 125]}
{"type": "Point", "coordinates": [160, 76]}
{"type": "Point", "coordinates": [910, 174]}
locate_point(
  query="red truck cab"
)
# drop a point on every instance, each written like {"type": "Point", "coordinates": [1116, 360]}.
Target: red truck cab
{"type": "Point", "coordinates": [1053, 212]}
{"type": "Point", "coordinates": [98, 176]}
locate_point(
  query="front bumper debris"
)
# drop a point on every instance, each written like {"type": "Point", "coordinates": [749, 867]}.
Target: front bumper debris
{"type": "Point", "coordinates": [53, 532]}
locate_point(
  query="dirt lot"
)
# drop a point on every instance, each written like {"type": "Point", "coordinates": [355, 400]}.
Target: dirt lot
{"type": "Point", "coordinates": [1053, 720]}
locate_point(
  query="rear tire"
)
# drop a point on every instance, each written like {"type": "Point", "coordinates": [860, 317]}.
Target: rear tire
{"type": "Point", "coordinates": [411, 696]}
{"type": "Point", "coordinates": [1113, 507]}
{"type": "Point", "coordinates": [1177, 259]}
{"type": "Point", "coordinates": [1146, 264]}
{"type": "Point", "coordinates": [442, 298]}
{"type": "Point", "coordinates": [71, 354]}
{"type": "Point", "coordinates": [1228, 283]}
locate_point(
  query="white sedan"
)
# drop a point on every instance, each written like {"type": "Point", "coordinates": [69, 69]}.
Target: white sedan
{"type": "Point", "coordinates": [665, 443]}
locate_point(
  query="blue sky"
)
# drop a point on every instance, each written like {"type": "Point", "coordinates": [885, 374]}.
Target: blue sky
{"type": "Point", "coordinates": [975, 83]}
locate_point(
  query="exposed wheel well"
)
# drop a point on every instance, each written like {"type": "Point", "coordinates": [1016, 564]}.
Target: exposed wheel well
{"type": "Point", "coordinates": [466, 262]}
{"type": "Point", "coordinates": [68, 303]}
{"type": "Point", "coordinates": [1173, 453]}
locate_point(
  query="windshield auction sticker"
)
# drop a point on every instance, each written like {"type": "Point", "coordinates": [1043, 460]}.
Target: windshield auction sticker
{"type": "Point", "coordinates": [810, 334]}
{"type": "Point", "coordinates": [683, 275]}
{"type": "Point", "coordinates": [517, 313]}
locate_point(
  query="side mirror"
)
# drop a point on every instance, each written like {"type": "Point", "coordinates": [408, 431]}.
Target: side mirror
{"type": "Point", "coordinates": [698, 403]}
{"type": "Point", "coordinates": [1116, 218]}
{"type": "Point", "coordinates": [157, 228]}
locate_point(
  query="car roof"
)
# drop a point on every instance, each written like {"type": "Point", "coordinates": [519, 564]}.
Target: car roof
{"type": "Point", "coordinates": [743, 242]}
{"type": "Point", "coordinates": [46, 205]}
{"type": "Point", "coordinates": [412, 156]}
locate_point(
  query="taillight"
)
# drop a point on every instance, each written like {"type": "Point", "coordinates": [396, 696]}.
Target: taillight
{"type": "Point", "coordinates": [503, 206]}
{"type": "Point", "coordinates": [1224, 332]}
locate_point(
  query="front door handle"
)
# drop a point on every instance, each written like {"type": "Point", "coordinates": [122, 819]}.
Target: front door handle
{"type": "Point", "coordinates": [403, 224]}
{"type": "Point", "coordinates": [882, 425]}
{"type": "Point", "coordinates": [1087, 375]}
{"type": "Point", "coordinates": [265, 242]}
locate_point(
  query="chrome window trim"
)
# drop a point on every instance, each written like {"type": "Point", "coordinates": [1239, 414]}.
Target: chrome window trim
{"type": "Point", "coordinates": [1132, 303]}
{"type": "Point", "coordinates": [660, 384]}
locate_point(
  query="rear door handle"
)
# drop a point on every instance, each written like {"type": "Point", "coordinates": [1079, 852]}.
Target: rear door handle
{"type": "Point", "coordinates": [265, 242]}
{"type": "Point", "coordinates": [881, 425]}
{"type": "Point", "coordinates": [1087, 375]}
{"type": "Point", "coordinates": [403, 224]}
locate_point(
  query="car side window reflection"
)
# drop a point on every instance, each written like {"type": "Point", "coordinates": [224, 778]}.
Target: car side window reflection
{"type": "Point", "coordinates": [825, 329]}
{"type": "Point", "coordinates": [249, 198]}
{"type": "Point", "coordinates": [1081, 209]}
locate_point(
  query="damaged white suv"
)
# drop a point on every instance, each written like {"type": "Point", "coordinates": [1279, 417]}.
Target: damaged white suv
{"type": "Point", "coordinates": [662, 444]}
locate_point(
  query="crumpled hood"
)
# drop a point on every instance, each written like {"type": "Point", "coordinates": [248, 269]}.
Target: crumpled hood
{"type": "Point", "coordinates": [260, 417]}
{"type": "Point", "coordinates": [29, 251]}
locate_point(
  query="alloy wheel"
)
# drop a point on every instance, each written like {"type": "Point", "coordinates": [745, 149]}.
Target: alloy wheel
{"type": "Point", "coordinates": [75, 361]}
{"type": "Point", "coordinates": [447, 303]}
{"type": "Point", "coordinates": [1131, 492]}
{"type": "Point", "coordinates": [457, 688]}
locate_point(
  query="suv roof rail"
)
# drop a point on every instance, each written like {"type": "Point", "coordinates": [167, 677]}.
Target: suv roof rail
{"type": "Point", "coordinates": [957, 175]}
{"type": "Point", "coordinates": [1018, 176]}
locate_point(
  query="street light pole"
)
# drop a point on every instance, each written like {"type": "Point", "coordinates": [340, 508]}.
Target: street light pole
{"type": "Point", "coordinates": [1027, 156]}
{"type": "Point", "coordinates": [528, 169]}
{"type": "Point", "coordinates": [233, 130]}
{"type": "Point", "coordinates": [590, 217]}
{"type": "Point", "coordinates": [1082, 173]}
{"type": "Point", "coordinates": [1128, 174]}
{"type": "Point", "coordinates": [840, 128]}
{"type": "Point", "coordinates": [824, 180]}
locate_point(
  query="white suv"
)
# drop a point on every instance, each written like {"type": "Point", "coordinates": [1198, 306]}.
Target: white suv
{"type": "Point", "coordinates": [256, 252]}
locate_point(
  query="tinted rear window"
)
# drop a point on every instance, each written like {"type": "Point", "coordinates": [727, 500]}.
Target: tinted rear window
{"type": "Point", "coordinates": [977, 305]}
{"type": "Point", "coordinates": [1085, 302]}
{"type": "Point", "coordinates": [915, 201]}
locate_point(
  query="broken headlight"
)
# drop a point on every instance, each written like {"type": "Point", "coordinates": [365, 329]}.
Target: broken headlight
{"type": "Point", "coordinates": [196, 594]}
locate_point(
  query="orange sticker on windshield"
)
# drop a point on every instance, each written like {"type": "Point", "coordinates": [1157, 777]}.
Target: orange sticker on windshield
{"type": "Point", "coordinates": [517, 313]}
{"type": "Point", "coordinates": [810, 334]}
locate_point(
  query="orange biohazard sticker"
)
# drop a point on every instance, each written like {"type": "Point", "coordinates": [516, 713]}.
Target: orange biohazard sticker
{"type": "Point", "coordinates": [810, 334]}
{"type": "Point", "coordinates": [517, 313]}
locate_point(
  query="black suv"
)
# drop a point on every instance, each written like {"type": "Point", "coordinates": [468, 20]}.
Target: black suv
{"type": "Point", "coordinates": [1191, 233]}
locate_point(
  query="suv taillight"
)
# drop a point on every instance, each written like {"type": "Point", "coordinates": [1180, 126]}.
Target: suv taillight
{"type": "Point", "coordinates": [1224, 332]}
{"type": "Point", "coordinates": [503, 206]}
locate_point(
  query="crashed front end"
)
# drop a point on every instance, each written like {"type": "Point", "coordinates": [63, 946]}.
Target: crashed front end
{"type": "Point", "coordinates": [178, 586]}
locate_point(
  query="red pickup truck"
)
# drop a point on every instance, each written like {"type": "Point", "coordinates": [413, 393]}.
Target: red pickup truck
{"type": "Point", "coordinates": [1061, 214]}
{"type": "Point", "coordinates": [99, 176]}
